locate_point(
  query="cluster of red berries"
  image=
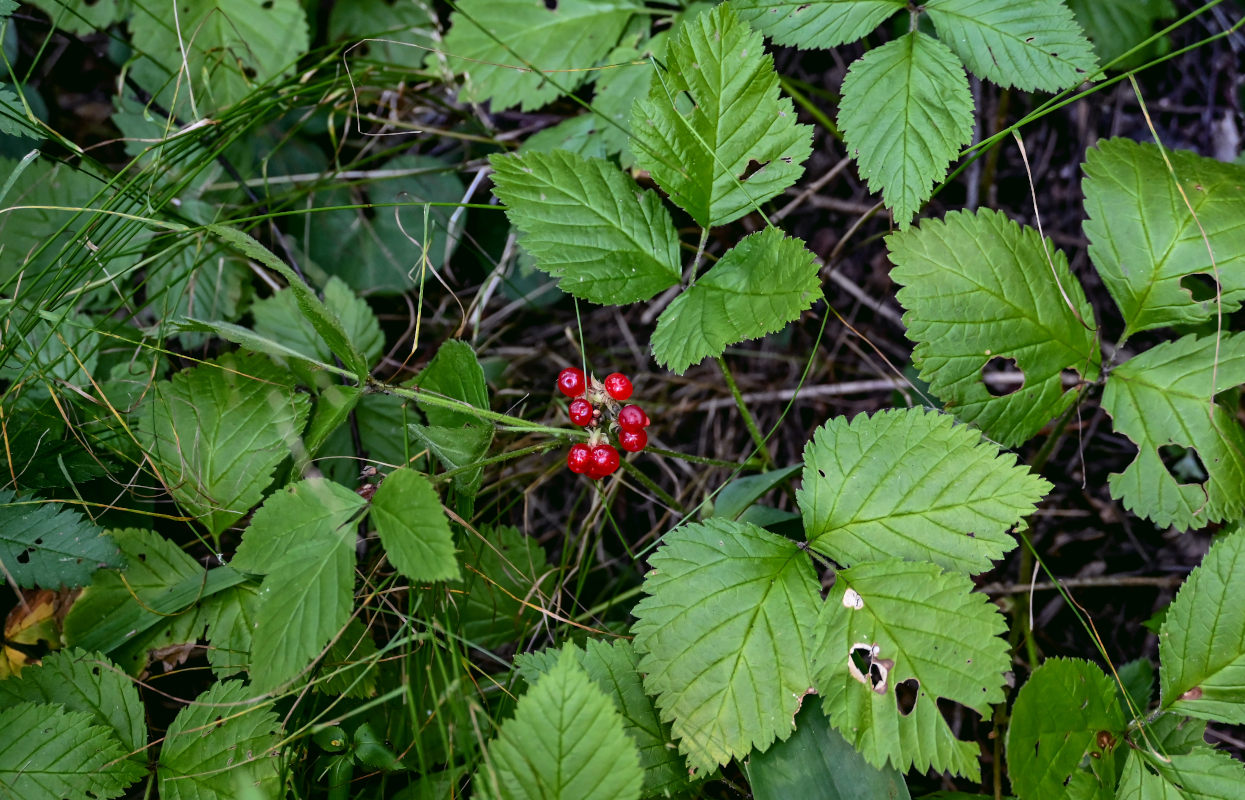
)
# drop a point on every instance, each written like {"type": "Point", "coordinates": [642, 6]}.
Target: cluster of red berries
{"type": "Point", "coordinates": [597, 405]}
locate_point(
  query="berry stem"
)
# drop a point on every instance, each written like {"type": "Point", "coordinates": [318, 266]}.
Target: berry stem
{"type": "Point", "coordinates": [661, 494]}
{"type": "Point", "coordinates": [749, 422]}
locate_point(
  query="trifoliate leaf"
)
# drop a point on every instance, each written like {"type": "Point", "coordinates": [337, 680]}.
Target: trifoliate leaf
{"type": "Point", "coordinates": [713, 131]}
{"type": "Point", "coordinates": [217, 432]}
{"type": "Point", "coordinates": [1163, 397]}
{"type": "Point", "coordinates": [723, 637]}
{"type": "Point", "coordinates": [908, 484]}
{"type": "Point", "coordinates": [565, 742]}
{"type": "Point", "coordinates": [614, 668]}
{"type": "Point", "coordinates": [1032, 45]}
{"type": "Point", "coordinates": [454, 372]}
{"type": "Point", "coordinates": [905, 114]}
{"type": "Point", "coordinates": [1117, 26]}
{"type": "Point", "coordinates": [413, 528]}
{"type": "Point", "coordinates": [223, 742]}
{"type": "Point", "coordinates": [1066, 710]}
{"type": "Point", "coordinates": [218, 52]}
{"type": "Point", "coordinates": [1203, 774]}
{"type": "Point", "coordinates": [820, 23]}
{"type": "Point", "coordinates": [589, 225]}
{"type": "Point", "coordinates": [280, 319]}
{"type": "Point", "coordinates": [44, 543]}
{"type": "Point", "coordinates": [979, 290]}
{"type": "Point", "coordinates": [501, 47]}
{"type": "Point", "coordinates": [1146, 245]}
{"type": "Point", "coordinates": [302, 514]}
{"type": "Point", "coordinates": [48, 753]}
{"type": "Point", "coordinates": [508, 582]}
{"type": "Point", "coordinates": [761, 284]}
{"type": "Point", "coordinates": [80, 681]}
{"type": "Point", "coordinates": [1202, 642]}
{"type": "Point", "coordinates": [887, 624]}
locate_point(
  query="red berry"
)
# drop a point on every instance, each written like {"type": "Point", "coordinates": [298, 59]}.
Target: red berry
{"type": "Point", "coordinates": [581, 412]}
{"type": "Point", "coordinates": [632, 418]}
{"type": "Point", "coordinates": [579, 459]}
{"type": "Point", "coordinates": [571, 382]}
{"type": "Point", "coordinates": [633, 441]}
{"type": "Point", "coordinates": [604, 461]}
{"type": "Point", "coordinates": [617, 386]}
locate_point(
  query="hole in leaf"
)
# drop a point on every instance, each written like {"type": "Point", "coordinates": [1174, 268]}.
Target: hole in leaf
{"type": "Point", "coordinates": [1183, 464]}
{"type": "Point", "coordinates": [865, 666]}
{"type": "Point", "coordinates": [1200, 286]}
{"type": "Point", "coordinates": [753, 168]}
{"type": "Point", "coordinates": [906, 693]}
{"type": "Point", "coordinates": [551, 5]}
{"type": "Point", "coordinates": [1069, 378]}
{"type": "Point", "coordinates": [861, 658]}
{"type": "Point", "coordinates": [959, 718]}
{"type": "Point", "coordinates": [1002, 376]}
{"type": "Point", "coordinates": [24, 556]}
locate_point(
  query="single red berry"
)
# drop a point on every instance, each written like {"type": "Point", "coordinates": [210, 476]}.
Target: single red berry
{"type": "Point", "coordinates": [604, 461]}
{"type": "Point", "coordinates": [571, 382]}
{"type": "Point", "coordinates": [633, 441]}
{"type": "Point", "coordinates": [617, 386]}
{"type": "Point", "coordinates": [579, 459]}
{"type": "Point", "coordinates": [581, 412]}
{"type": "Point", "coordinates": [632, 418]}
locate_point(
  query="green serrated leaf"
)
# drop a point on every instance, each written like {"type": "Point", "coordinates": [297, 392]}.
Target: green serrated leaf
{"type": "Point", "coordinates": [499, 46]}
{"type": "Point", "coordinates": [1032, 45]}
{"type": "Point", "coordinates": [891, 623]}
{"type": "Point", "coordinates": [1146, 245]}
{"type": "Point", "coordinates": [979, 289]}
{"type": "Point", "coordinates": [302, 514]}
{"type": "Point", "coordinates": [817, 762]}
{"type": "Point", "coordinates": [565, 742]}
{"type": "Point", "coordinates": [1116, 26]}
{"type": "Point", "coordinates": [510, 580]}
{"type": "Point", "coordinates": [349, 667]}
{"type": "Point", "coordinates": [723, 637]}
{"type": "Point", "coordinates": [13, 120]}
{"type": "Point", "coordinates": [1203, 774]}
{"type": "Point", "coordinates": [43, 543]}
{"type": "Point", "coordinates": [714, 131]}
{"type": "Point", "coordinates": [908, 484]}
{"type": "Point", "coordinates": [1056, 721]}
{"type": "Point", "coordinates": [48, 753]}
{"type": "Point", "coordinates": [820, 23]}
{"type": "Point", "coordinates": [215, 52]}
{"type": "Point", "coordinates": [231, 618]}
{"type": "Point", "coordinates": [304, 601]}
{"type": "Point", "coordinates": [80, 681]}
{"type": "Point", "coordinates": [760, 285]}
{"type": "Point", "coordinates": [413, 527]}
{"type": "Point", "coordinates": [1163, 397]}
{"type": "Point", "coordinates": [223, 741]}
{"type": "Point", "coordinates": [906, 112]}
{"type": "Point", "coordinates": [1202, 642]}
{"type": "Point", "coordinates": [218, 431]}
{"type": "Point", "coordinates": [457, 449]}
{"type": "Point", "coordinates": [204, 285]}
{"type": "Point", "coordinates": [398, 32]}
{"type": "Point", "coordinates": [280, 319]}
{"type": "Point", "coordinates": [82, 16]}
{"type": "Point", "coordinates": [617, 90]}
{"type": "Point", "coordinates": [589, 225]}
{"type": "Point", "coordinates": [454, 372]}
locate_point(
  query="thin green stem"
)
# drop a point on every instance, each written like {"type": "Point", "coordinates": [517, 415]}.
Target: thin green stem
{"type": "Point", "coordinates": [749, 422]}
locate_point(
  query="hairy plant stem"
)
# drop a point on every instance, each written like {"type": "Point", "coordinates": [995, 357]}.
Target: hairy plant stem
{"type": "Point", "coordinates": [749, 422]}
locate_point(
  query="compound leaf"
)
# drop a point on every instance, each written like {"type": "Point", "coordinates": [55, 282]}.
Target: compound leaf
{"type": "Point", "coordinates": [1148, 247]}
{"type": "Point", "coordinates": [220, 745]}
{"type": "Point", "coordinates": [502, 47]}
{"type": "Point", "coordinates": [216, 433]}
{"type": "Point", "coordinates": [906, 112]}
{"type": "Point", "coordinates": [1162, 398]}
{"type": "Point", "coordinates": [1032, 45]}
{"type": "Point", "coordinates": [820, 23]}
{"type": "Point", "coordinates": [413, 528]}
{"type": "Point", "coordinates": [309, 512]}
{"type": "Point", "coordinates": [759, 286]}
{"type": "Point", "coordinates": [909, 484]}
{"type": "Point", "coordinates": [978, 288]}
{"type": "Point", "coordinates": [80, 681]}
{"type": "Point", "coordinates": [565, 742]}
{"type": "Point", "coordinates": [723, 638]}
{"type": "Point", "coordinates": [1056, 722]}
{"type": "Point", "coordinates": [890, 623]}
{"type": "Point", "coordinates": [1203, 774]}
{"type": "Point", "coordinates": [589, 225]}
{"type": "Point", "coordinates": [1202, 641]}
{"type": "Point", "coordinates": [714, 131]}
{"type": "Point", "coordinates": [48, 753]}
{"type": "Point", "coordinates": [50, 545]}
